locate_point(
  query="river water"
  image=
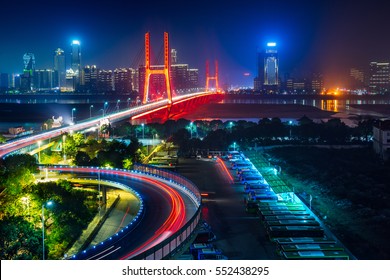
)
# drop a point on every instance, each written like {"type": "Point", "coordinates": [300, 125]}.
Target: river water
{"type": "Point", "coordinates": [31, 111]}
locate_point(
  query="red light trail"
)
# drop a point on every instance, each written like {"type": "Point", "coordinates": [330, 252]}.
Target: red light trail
{"type": "Point", "coordinates": [176, 216]}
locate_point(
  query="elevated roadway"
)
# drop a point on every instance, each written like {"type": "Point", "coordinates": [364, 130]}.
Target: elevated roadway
{"type": "Point", "coordinates": [140, 111]}
{"type": "Point", "coordinates": [166, 208]}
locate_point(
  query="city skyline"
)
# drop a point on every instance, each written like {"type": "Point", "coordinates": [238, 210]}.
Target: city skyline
{"type": "Point", "coordinates": [311, 37]}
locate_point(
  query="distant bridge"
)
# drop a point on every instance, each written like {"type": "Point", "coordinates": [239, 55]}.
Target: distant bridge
{"type": "Point", "coordinates": [156, 111]}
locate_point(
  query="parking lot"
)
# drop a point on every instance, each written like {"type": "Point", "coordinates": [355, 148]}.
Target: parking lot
{"type": "Point", "coordinates": [239, 235]}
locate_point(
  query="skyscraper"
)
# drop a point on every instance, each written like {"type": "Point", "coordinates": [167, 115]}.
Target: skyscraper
{"type": "Point", "coordinates": [29, 62]}
{"type": "Point", "coordinates": [28, 72]}
{"type": "Point", "coordinates": [59, 69]}
{"type": "Point", "coordinates": [76, 62]}
{"type": "Point", "coordinates": [173, 56]}
{"type": "Point", "coordinates": [76, 56]}
{"type": "Point", "coordinates": [267, 69]}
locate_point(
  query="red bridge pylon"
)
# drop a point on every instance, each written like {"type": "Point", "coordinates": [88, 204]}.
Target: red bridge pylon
{"type": "Point", "coordinates": [165, 71]}
{"type": "Point", "coordinates": [208, 77]}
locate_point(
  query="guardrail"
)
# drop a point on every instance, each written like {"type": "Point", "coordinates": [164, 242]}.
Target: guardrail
{"type": "Point", "coordinates": [177, 178]}
{"type": "Point", "coordinates": [175, 242]}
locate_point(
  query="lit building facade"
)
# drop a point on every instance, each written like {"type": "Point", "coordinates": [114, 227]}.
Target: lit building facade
{"type": "Point", "coordinates": [43, 79]}
{"type": "Point", "coordinates": [357, 78]}
{"type": "Point", "coordinates": [267, 69]}
{"type": "Point", "coordinates": [76, 62]}
{"type": "Point", "coordinates": [89, 79]}
{"type": "Point", "coordinates": [379, 77]}
{"type": "Point", "coordinates": [317, 83]}
{"type": "Point", "coordinates": [124, 80]}
{"type": "Point", "coordinates": [173, 56]}
{"type": "Point", "coordinates": [193, 78]}
{"type": "Point", "coordinates": [59, 79]}
{"type": "Point", "coordinates": [28, 72]}
{"type": "Point", "coordinates": [105, 81]}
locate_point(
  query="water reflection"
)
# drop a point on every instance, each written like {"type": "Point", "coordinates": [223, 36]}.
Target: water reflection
{"type": "Point", "coordinates": [333, 105]}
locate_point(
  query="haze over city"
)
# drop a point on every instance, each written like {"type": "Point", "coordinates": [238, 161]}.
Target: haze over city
{"type": "Point", "coordinates": [251, 130]}
{"type": "Point", "coordinates": [328, 37]}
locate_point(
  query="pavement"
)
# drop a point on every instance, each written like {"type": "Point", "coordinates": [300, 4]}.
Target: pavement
{"type": "Point", "coordinates": [240, 235]}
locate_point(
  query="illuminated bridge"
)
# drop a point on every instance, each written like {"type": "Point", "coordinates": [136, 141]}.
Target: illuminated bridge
{"type": "Point", "coordinates": [178, 226]}
{"type": "Point", "coordinates": [156, 111]}
{"type": "Point", "coordinates": [153, 110]}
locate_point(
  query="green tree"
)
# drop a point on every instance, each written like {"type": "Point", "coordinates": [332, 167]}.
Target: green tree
{"type": "Point", "coordinates": [82, 159]}
{"type": "Point", "coordinates": [19, 240]}
{"type": "Point", "coordinates": [78, 139]}
{"type": "Point", "coordinates": [2, 139]}
{"type": "Point", "coordinates": [128, 163]}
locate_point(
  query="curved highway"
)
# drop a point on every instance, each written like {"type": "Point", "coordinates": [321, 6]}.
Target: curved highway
{"type": "Point", "coordinates": [164, 214]}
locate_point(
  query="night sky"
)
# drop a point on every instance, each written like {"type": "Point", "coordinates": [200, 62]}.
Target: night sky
{"type": "Point", "coordinates": [322, 36]}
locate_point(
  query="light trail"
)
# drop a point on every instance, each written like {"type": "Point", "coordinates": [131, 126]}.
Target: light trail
{"type": "Point", "coordinates": [171, 225]}
{"type": "Point", "coordinates": [224, 168]}
{"type": "Point", "coordinates": [11, 146]}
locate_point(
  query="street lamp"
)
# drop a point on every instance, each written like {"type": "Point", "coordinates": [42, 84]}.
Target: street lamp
{"type": "Point", "coordinates": [39, 151]}
{"type": "Point", "coordinates": [117, 105]}
{"type": "Point", "coordinates": [104, 107]}
{"type": "Point", "coordinates": [49, 203]}
{"type": "Point", "coordinates": [63, 145]}
{"type": "Point", "coordinates": [143, 131]}
{"type": "Point", "coordinates": [234, 146]}
{"type": "Point", "coordinates": [100, 206]}
{"type": "Point", "coordinates": [191, 123]}
{"type": "Point", "coordinates": [128, 102]}
{"type": "Point", "coordinates": [74, 109]}
{"type": "Point", "coordinates": [231, 126]}
{"type": "Point", "coordinates": [290, 123]}
{"type": "Point", "coordinates": [90, 111]}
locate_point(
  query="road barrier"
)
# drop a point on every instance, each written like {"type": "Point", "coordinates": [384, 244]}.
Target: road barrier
{"type": "Point", "coordinates": [175, 242]}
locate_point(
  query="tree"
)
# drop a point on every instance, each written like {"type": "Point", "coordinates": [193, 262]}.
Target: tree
{"type": "Point", "coordinates": [82, 159]}
{"type": "Point", "coordinates": [17, 172]}
{"type": "Point", "coordinates": [128, 163]}
{"type": "Point", "coordinates": [19, 240]}
{"type": "Point", "coordinates": [15, 162]}
{"type": "Point", "coordinates": [78, 139]}
{"type": "Point", "coordinates": [2, 139]}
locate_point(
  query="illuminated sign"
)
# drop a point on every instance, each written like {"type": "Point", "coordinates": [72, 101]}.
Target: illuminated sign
{"type": "Point", "coordinates": [271, 44]}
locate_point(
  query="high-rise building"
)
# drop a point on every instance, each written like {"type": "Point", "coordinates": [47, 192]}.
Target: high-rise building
{"type": "Point", "coordinates": [379, 77]}
{"type": "Point", "coordinates": [89, 79]}
{"type": "Point", "coordinates": [59, 79]}
{"type": "Point", "coordinates": [76, 62]}
{"type": "Point", "coordinates": [356, 78]}
{"type": "Point", "coordinates": [179, 76]}
{"type": "Point", "coordinates": [317, 83]}
{"type": "Point", "coordinates": [4, 81]}
{"type": "Point", "coordinates": [43, 79]}
{"type": "Point", "coordinates": [267, 69]}
{"type": "Point", "coordinates": [105, 81]}
{"type": "Point", "coordinates": [193, 78]}
{"type": "Point", "coordinates": [173, 56]}
{"type": "Point", "coordinates": [76, 56]}
{"type": "Point", "coordinates": [29, 63]}
{"type": "Point", "coordinates": [28, 72]}
{"type": "Point", "coordinates": [124, 80]}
